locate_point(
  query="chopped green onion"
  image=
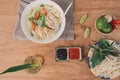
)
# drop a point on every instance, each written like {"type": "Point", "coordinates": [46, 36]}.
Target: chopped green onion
{"type": "Point", "coordinates": [32, 34]}
{"type": "Point", "coordinates": [41, 5]}
{"type": "Point", "coordinates": [31, 19]}
{"type": "Point", "coordinates": [40, 22]}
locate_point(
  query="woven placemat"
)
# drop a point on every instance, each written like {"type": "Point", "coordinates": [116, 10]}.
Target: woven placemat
{"type": "Point", "coordinates": [68, 33]}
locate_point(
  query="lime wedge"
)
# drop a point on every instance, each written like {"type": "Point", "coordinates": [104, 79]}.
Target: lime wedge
{"type": "Point", "coordinates": [83, 19]}
{"type": "Point", "coordinates": [101, 23]}
{"type": "Point", "coordinates": [86, 33]}
{"type": "Point", "coordinates": [107, 29]}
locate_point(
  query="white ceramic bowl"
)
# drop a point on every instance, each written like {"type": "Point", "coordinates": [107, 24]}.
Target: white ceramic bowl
{"type": "Point", "coordinates": [37, 3]}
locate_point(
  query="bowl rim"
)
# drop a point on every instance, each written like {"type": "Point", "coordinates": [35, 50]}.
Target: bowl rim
{"type": "Point", "coordinates": [36, 3]}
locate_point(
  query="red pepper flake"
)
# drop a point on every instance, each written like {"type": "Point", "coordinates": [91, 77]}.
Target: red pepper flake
{"type": "Point", "coordinates": [74, 53]}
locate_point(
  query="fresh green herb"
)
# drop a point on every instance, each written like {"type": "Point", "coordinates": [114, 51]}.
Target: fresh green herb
{"type": "Point", "coordinates": [43, 20]}
{"type": "Point", "coordinates": [18, 68]}
{"type": "Point", "coordinates": [83, 19]}
{"type": "Point", "coordinates": [36, 23]}
{"type": "Point", "coordinates": [32, 34]}
{"type": "Point", "coordinates": [42, 5]}
{"type": "Point", "coordinates": [101, 50]}
{"type": "Point", "coordinates": [31, 19]}
{"type": "Point", "coordinates": [40, 22]}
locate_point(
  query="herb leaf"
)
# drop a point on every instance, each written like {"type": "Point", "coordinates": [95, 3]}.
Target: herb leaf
{"type": "Point", "coordinates": [42, 5]}
{"type": "Point", "coordinates": [101, 50]}
{"type": "Point", "coordinates": [31, 19]}
{"type": "Point", "coordinates": [40, 22]}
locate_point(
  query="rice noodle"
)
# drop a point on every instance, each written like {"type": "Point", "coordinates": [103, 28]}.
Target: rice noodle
{"type": "Point", "coordinates": [53, 18]}
{"type": "Point", "coordinates": [110, 67]}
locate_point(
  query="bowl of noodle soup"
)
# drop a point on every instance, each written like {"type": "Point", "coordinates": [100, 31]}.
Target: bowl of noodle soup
{"type": "Point", "coordinates": [108, 68]}
{"type": "Point", "coordinates": [43, 21]}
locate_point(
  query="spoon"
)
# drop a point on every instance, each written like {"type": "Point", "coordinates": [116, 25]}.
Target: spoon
{"type": "Point", "coordinates": [69, 6]}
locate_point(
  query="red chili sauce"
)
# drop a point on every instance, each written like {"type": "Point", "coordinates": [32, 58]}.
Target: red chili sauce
{"type": "Point", "coordinates": [74, 53]}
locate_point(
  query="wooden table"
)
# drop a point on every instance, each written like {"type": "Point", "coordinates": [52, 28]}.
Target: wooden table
{"type": "Point", "coordinates": [13, 52]}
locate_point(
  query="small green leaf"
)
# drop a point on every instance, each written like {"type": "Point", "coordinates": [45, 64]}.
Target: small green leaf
{"type": "Point", "coordinates": [31, 19]}
{"type": "Point", "coordinates": [86, 33]}
{"type": "Point", "coordinates": [18, 68]}
{"type": "Point", "coordinates": [32, 34]}
{"type": "Point", "coordinates": [112, 43]}
{"type": "Point", "coordinates": [40, 22]}
{"type": "Point", "coordinates": [83, 19]}
{"type": "Point", "coordinates": [41, 5]}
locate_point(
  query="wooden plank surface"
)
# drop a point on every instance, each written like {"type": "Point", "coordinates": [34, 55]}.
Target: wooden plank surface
{"type": "Point", "coordinates": [13, 52]}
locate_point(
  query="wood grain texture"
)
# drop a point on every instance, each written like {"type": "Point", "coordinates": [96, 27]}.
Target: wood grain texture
{"type": "Point", "coordinates": [13, 52]}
